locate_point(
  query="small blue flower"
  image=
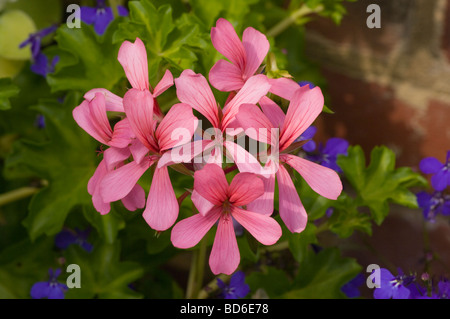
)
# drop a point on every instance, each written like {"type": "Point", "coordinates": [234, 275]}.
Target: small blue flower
{"type": "Point", "coordinates": [100, 16]}
{"type": "Point", "coordinates": [308, 134]}
{"type": "Point", "coordinates": [68, 237]}
{"type": "Point", "coordinates": [391, 286]}
{"type": "Point", "coordinates": [42, 66]}
{"type": "Point", "coordinates": [327, 155]}
{"type": "Point", "coordinates": [351, 289]}
{"type": "Point", "coordinates": [34, 40]}
{"type": "Point", "coordinates": [237, 288]}
{"type": "Point", "coordinates": [433, 204]}
{"type": "Point", "coordinates": [303, 83]}
{"type": "Point", "coordinates": [39, 122]}
{"type": "Point", "coordinates": [51, 289]}
{"type": "Point", "coordinates": [441, 172]}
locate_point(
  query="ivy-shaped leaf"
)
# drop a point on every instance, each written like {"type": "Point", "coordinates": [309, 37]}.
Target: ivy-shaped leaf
{"type": "Point", "coordinates": [65, 162]}
{"type": "Point", "coordinates": [380, 183]}
{"type": "Point", "coordinates": [7, 90]}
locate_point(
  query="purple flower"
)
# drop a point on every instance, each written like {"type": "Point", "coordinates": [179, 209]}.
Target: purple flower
{"type": "Point", "coordinates": [51, 289]}
{"type": "Point", "coordinates": [433, 204]}
{"type": "Point", "coordinates": [351, 289]}
{"type": "Point", "coordinates": [308, 134]}
{"type": "Point", "coordinates": [327, 155]}
{"type": "Point", "coordinates": [303, 83]}
{"type": "Point", "coordinates": [42, 66]}
{"type": "Point", "coordinates": [100, 16]}
{"type": "Point", "coordinates": [441, 172]}
{"type": "Point", "coordinates": [237, 288]}
{"type": "Point", "coordinates": [34, 40]}
{"type": "Point", "coordinates": [39, 122]}
{"type": "Point", "coordinates": [391, 286]}
{"type": "Point", "coordinates": [68, 237]}
{"type": "Point", "coordinates": [443, 290]}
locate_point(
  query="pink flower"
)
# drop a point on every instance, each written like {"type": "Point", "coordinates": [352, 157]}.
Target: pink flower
{"type": "Point", "coordinates": [193, 90]}
{"type": "Point", "coordinates": [305, 105]}
{"type": "Point", "coordinates": [91, 115]}
{"type": "Point", "coordinates": [224, 203]}
{"type": "Point", "coordinates": [152, 140]}
{"type": "Point", "coordinates": [245, 56]}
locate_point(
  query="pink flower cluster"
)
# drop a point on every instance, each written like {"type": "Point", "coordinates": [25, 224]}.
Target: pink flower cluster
{"type": "Point", "coordinates": [144, 138]}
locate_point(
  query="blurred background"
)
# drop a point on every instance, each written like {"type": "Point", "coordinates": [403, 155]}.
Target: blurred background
{"type": "Point", "coordinates": [390, 86]}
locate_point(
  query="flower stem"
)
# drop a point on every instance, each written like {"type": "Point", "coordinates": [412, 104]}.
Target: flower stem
{"type": "Point", "coordinates": [196, 272]}
{"type": "Point", "coordinates": [113, 4]}
{"type": "Point", "coordinates": [17, 194]}
{"type": "Point", "coordinates": [291, 19]}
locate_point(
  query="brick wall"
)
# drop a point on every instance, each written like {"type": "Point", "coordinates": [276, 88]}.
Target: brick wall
{"type": "Point", "coordinates": [390, 85]}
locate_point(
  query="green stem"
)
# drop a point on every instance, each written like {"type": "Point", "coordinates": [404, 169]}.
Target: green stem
{"type": "Point", "coordinates": [113, 4]}
{"type": "Point", "coordinates": [17, 194]}
{"type": "Point", "coordinates": [192, 274]}
{"type": "Point", "coordinates": [288, 21]}
{"type": "Point", "coordinates": [212, 286]}
{"type": "Point", "coordinates": [196, 272]}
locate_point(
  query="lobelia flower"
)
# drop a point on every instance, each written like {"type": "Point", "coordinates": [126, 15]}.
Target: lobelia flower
{"type": "Point", "coordinates": [152, 140]}
{"type": "Point", "coordinates": [327, 155]}
{"type": "Point", "coordinates": [236, 289]}
{"type": "Point", "coordinates": [100, 16]}
{"type": "Point", "coordinates": [41, 65]}
{"type": "Point", "coordinates": [391, 286]}
{"type": "Point", "coordinates": [433, 204]}
{"type": "Point", "coordinates": [193, 90]}
{"type": "Point", "coordinates": [51, 289]}
{"type": "Point", "coordinates": [351, 289]}
{"type": "Point", "coordinates": [308, 134]}
{"type": "Point", "coordinates": [34, 40]}
{"type": "Point", "coordinates": [305, 105]}
{"type": "Point", "coordinates": [441, 172]}
{"type": "Point", "coordinates": [222, 202]}
{"type": "Point", "coordinates": [68, 237]}
{"type": "Point", "coordinates": [303, 83]}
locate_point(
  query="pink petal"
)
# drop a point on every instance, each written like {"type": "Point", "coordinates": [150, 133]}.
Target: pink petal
{"type": "Point", "coordinates": [135, 198]}
{"type": "Point", "coordinates": [225, 255]}
{"type": "Point", "coordinates": [139, 109]}
{"type": "Point", "coordinates": [138, 150]}
{"type": "Point", "coordinates": [226, 76]}
{"type": "Point", "coordinates": [133, 58]}
{"type": "Point", "coordinates": [86, 115]}
{"type": "Point", "coordinates": [177, 127]}
{"type": "Point", "coordinates": [245, 188]}
{"type": "Point", "coordinates": [122, 134]}
{"type": "Point", "coordinates": [188, 232]}
{"type": "Point", "coordinates": [291, 208]}
{"type": "Point", "coordinates": [264, 228]}
{"type": "Point", "coordinates": [202, 204]}
{"type": "Point", "coordinates": [323, 180]}
{"type": "Point", "coordinates": [283, 87]}
{"type": "Point", "coordinates": [264, 204]}
{"type": "Point", "coordinates": [306, 104]}
{"type": "Point", "coordinates": [245, 161]}
{"type": "Point", "coordinates": [256, 47]}
{"type": "Point", "coordinates": [253, 90]}
{"type": "Point", "coordinates": [94, 189]}
{"type": "Point", "coordinates": [119, 182]}
{"type": "Point", "coordinates": [165, 83]}
{"type": "Point", "coordinates": [113, 102]}
{"type": "Point", "coordinates": [193, 89]}
{"type": "Point", "coordinates": [184, 153]}
{"type": "Point", "coordinates": [114, 156]}
{"type": "Point", "coordinates": [210, 183]}
{"type": "Point", "coordinates": [225, 39]}
{"type": "Point", "coordinates": [255, 124]}
{"type": "Point", "coordinates": [162, 208]}
{"type": "Point", "coordinates": [273, 112]}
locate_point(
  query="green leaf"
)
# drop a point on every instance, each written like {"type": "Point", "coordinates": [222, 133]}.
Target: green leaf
{"type": "Point", "coordinates": [86, 60]}
{"type": "Point", "coordinates": [322, 275]}
{"type": "Point", "coordinates": [272, 280]}
{"type": "Point", "coordinates": [7, 90]}
{"type": "Point", "coordinates": [15, 27]}
{"type": "Point", "coordinates": [103, 275]}
{"type": "Point", "coordinates": [107, 225]}
{"type": "Point", "coordinates": [66, 162]}
{"type": "Point", "coordinates": [380, 183]}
